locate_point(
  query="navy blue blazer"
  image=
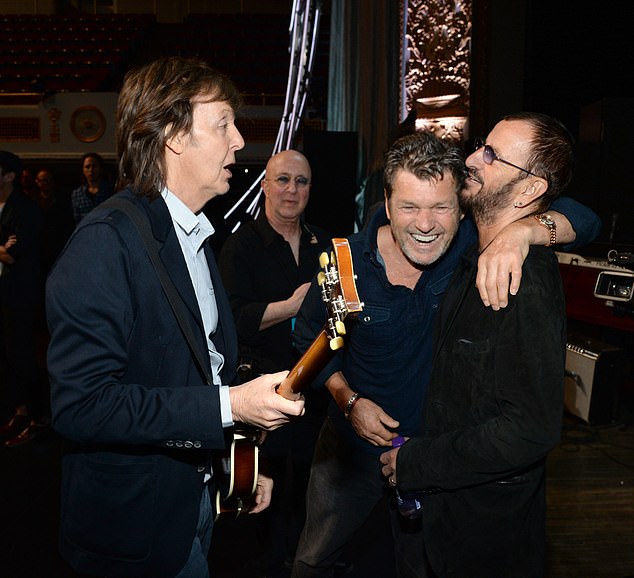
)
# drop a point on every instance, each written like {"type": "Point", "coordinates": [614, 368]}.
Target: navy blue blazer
{"type": "Point", "coordinates": [128, 396]}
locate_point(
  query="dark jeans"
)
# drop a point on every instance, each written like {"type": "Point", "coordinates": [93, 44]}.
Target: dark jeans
{"type": "Point", "coordinates": [345, 486]}
{"type": "Point", "coordinates": [197, 565]}
{"type": "Point", "coordinates": [286, 456]}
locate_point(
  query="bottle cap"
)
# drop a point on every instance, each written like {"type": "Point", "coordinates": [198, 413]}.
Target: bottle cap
{"type": "Point", "coordinates": [398, 441]}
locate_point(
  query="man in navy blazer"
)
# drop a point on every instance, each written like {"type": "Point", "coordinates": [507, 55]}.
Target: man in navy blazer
{"type": "Point", "coordinates": [141, 417]}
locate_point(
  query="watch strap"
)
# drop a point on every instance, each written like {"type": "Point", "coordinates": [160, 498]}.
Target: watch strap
{"type": "Point", "coordinates": [547, 221]}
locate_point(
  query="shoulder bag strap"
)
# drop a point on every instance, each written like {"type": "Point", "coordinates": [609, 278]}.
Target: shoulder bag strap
{"type": "Point", "coordinates": [178, 307]}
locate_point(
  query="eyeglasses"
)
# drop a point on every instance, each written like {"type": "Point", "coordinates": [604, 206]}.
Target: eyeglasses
{"type": "Point", "coordinates": [489, 155]}
{"type": "Point", "coordinates": [284, 180]}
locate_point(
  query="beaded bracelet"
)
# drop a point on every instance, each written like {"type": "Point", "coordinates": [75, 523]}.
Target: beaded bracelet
{"type": "Point", "coordinates": [349, 405]}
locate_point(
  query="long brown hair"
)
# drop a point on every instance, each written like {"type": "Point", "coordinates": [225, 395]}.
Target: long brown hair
{"type": "Point", "coordinates": [155, 104]}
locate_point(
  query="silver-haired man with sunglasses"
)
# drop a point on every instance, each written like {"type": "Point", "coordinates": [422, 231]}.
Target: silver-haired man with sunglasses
{"type": "Point", "coordinates": [403, 261]}
{"type": "Point", "coordinates": [494, 403]}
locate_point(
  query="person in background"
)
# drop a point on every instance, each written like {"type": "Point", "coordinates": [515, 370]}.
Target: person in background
{"type": "Point", "coordinates": [143, 415]}
{"type": "Point", "coordinates": [28, 185]}
{"type": "Point", "coordinates": [58, 221]}
{"type": "Point", "coordinates": [403, 260]}
{"type": "Point", "coordinates": [371, 195]}
{"type": "Point", "coordinates": [96, 187]}
{"type": "Point", "coordinates": [267, 266]}
{"type": "Point", "coordinates": [57, 226]}
{"type": "Point", "coordinates": [494, 405]}
{"type": "Point", "coordinates": [20, 298]}
{"type": "Point", "coordinates": [45, 188]}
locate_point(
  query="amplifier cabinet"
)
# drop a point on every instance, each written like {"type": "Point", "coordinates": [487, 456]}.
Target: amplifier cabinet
{"type": "Point", "coordinates": [593, 380]}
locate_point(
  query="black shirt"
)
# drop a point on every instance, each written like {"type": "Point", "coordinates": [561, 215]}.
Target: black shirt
{"type": "Point", "coordinates": [258, 268]}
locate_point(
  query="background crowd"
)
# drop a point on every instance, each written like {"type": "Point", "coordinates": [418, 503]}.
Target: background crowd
{"type": "Point", "coordinates": [37, 219]}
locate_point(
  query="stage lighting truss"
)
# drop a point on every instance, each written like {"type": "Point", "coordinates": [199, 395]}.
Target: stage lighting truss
{"type": "Point", "coordinates": [303, 31]}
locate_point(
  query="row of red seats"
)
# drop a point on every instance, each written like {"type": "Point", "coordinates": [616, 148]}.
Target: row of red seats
{"type": "Point", "coordinates": [252, 49]}
{"type": "Point", "coordinates": [54, 53]}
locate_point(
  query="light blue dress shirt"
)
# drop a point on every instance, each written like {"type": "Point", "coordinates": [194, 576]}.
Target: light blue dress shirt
{"type": "Point", "coordinates": [192, 231]}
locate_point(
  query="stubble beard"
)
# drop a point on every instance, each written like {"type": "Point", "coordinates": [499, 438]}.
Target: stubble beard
{"type": "Point", "coordinates": [485, 204]}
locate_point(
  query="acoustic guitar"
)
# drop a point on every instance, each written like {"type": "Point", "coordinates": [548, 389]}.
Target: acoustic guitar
{"type": "Point", "coordinates": [238, 467]}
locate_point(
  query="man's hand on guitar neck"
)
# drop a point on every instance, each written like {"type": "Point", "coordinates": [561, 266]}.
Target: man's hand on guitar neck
{"type": "Point", "coordinates": [257, 403]}
{"type": "Point", "coordinates": [367, 418]}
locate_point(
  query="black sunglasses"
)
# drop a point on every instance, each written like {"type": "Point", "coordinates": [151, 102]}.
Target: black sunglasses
{"type": "Point", "coordinates": [489, 155]}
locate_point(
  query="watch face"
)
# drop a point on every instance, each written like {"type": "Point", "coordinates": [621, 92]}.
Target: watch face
{"type": "Point", "coordinates": [548, 222]}
{"type": "Point", "coordinates": [88, 123]}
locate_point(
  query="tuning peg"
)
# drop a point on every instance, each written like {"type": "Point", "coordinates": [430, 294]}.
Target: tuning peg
{"type": "Point", "coordinates": [340, 327]}
{"type": "Point", "coordinates": [321, 278]}
{"type": "Point", "coordinates": [324, 260]}
{"type": "Point", "coordinates": [336, 343]}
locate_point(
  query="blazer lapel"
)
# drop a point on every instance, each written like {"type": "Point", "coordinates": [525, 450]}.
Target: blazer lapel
{"type": "Point", "coordinates": [460, 282]}
{"type": "Point", "coordinates": [225, 337]}
{"type": "Point", "coordinates": [171, 254]}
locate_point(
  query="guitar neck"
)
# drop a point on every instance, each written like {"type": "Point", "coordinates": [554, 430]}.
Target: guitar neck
{"type": "Point", "coordinates": [340, 292]}
{"type": "Point", "coordinates": [306, 369]}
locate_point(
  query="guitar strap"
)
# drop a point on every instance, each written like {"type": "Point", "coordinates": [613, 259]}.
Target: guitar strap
{"type": "Point", "coordinates": [178, 307]}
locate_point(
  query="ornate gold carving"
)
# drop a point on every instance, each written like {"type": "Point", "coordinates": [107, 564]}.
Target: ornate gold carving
{"type": "Point", "coordinates": [437, 53]}
{"type": "Point", "coordinates": [54, 114]}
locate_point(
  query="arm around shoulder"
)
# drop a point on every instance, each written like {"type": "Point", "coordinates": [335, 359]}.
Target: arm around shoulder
{"type": "Point", "coordinates": [577, 224]}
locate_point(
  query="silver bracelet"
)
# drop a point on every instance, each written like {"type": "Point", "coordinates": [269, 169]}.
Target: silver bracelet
{"type": "Point", "coordinates": [349, 405]}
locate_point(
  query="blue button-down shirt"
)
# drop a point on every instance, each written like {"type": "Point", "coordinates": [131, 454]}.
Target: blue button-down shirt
{"type": "Point", "coordinates": [192, 231]}
{"type": "Point", "coordinates": [388, 355]}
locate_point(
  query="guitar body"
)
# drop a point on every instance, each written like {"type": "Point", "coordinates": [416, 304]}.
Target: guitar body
{"type": "Point", "coordinates": [239, 468]}
{"type": "Point", "coordinates": [239, 465]}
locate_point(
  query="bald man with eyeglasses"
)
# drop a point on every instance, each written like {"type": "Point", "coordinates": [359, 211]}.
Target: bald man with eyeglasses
{"type": "Point", "coordinates": [267, 266]}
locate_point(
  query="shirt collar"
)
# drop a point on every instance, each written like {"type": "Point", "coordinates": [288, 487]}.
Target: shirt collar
{"type": "Point", "coordinates": [183, 216]}
{"type": "Point", "coordinates": [269, 234]}
{"type": "Point", "coordinates": [378, 219]}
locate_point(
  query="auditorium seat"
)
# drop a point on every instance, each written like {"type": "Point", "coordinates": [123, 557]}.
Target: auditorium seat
{"type": "Point", "coordinates": [56, 53]}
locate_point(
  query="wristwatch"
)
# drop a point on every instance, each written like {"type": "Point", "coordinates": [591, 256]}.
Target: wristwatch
{"type": "Point", "coordinates": [547, 221]}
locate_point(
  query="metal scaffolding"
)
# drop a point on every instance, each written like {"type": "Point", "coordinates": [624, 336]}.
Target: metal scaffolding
{"type": "Point", "coordinates": [303, 31]}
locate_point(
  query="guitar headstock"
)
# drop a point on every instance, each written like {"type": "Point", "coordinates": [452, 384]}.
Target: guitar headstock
{"type": "Point", "coordinates": [338, 290]}
{"type": "Point", "coordinates": [339, 293]}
